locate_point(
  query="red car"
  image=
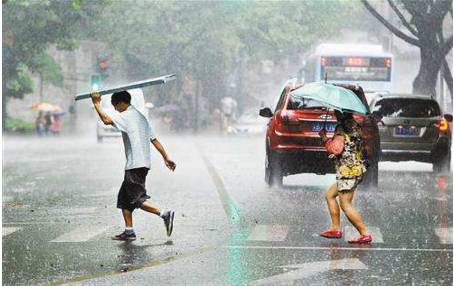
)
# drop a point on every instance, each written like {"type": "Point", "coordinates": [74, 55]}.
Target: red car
{"type": "Point", "coordinates": [293, 145]}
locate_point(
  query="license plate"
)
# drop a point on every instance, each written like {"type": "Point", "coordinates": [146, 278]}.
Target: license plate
{"type": "Point", "coordinates": [406, 131]}
{"type": "Point", "coordinates": [317, 126]}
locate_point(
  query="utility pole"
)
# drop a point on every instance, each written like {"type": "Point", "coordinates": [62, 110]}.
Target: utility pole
{"type": "Point", "coordinates": [41, 87]}
{"type": "Point", "coordinates": [441, 90]}
{"type": "Point", "coordinates": [196, 111]}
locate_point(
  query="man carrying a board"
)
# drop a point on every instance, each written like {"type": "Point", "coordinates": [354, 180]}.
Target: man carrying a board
{"type": "Point", "coordinates": [137, 135]}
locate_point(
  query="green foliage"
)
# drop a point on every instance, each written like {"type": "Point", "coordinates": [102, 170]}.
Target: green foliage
{"type": "Point", "coordinates": [19, 125]}
{"type": "Point", "coordinates": [31, 27]}
{"type": "Point", "coordinates": [22, 83]}
{"type": "Point", "coordinates": [48, 68]}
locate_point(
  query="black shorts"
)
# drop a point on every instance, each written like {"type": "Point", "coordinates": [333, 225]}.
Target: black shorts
{"type": "Point", "coordinates": [132, 192]}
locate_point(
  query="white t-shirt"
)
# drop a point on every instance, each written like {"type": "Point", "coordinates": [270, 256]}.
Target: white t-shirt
{"type": "Point", "coordinates": [136, 132]}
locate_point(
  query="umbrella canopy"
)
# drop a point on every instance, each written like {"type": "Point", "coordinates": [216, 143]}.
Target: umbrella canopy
{"type": "Point", "coordinates": [331, 96]}
{"type": "Point", "coordinates": [44, 106]}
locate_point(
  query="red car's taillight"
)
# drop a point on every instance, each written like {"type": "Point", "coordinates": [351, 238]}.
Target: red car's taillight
{"type": "Point", "coordinates": [358, 118]}
{"type": "Point", "coordinates": [286, 119]}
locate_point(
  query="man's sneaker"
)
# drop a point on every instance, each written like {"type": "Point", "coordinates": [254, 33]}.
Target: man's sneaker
{"type": "Point", "coordinates": [125, 236]}
{"type": "Point", "coordinates": [168, 221]}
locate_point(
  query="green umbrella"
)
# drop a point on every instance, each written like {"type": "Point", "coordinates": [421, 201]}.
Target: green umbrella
{"type": "Point", "coordinates": [331, 96]}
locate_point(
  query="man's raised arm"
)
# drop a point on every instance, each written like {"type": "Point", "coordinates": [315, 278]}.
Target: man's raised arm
{"type": "Point", "coordinates": [96, 99]}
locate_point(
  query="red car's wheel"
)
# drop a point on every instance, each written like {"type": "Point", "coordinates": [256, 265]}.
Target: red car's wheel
{"type": "Point", "coordinates": [273, 170]}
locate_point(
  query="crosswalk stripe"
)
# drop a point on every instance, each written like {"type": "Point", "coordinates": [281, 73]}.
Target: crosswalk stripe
{"type": "Point", "coordinates": [305, 270]}
{"type": "Point", "coordinates": [269, 233]}
{"type": "Point", "coordinates": [444, 234]}
{"type": "Point", "coordinates": [82, 233]}
{"type": "Point", "coordinates": [8, 230]}
{"type": "Point", "coordinates": [351, 233]}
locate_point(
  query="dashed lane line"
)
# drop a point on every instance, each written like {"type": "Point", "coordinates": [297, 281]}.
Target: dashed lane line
{"type": "Point", "coordinates": [229, 205]}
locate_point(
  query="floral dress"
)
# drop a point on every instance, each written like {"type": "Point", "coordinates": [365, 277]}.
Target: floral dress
{"type": "Point", "coordinates": [349, 163]}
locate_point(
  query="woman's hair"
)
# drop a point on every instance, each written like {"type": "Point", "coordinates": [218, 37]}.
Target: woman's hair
{"type": "Point", "coordinates": [343, 118]}
{"type": "Point", "coordinates": [121, 96]}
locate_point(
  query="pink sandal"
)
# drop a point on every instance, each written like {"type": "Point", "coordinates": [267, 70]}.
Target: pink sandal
{"type": "Point", "coordinates": [362, 239]}
{"type": "Point", "coordinates": [331, 233]}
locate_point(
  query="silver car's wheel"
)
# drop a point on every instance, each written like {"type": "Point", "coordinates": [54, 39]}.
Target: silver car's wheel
{"type": "Point", "coordinates": [442, 164]}
{"type": "Point", "coordinates": [371, 177]}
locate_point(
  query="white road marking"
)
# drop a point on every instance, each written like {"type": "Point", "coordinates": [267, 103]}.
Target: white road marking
{"type": "Point", "coordinates": [364, 248]}
{"type": "Point", "coordinates": [308, 269]}
{"type": "Point", "coordinates": [351, 233]}
{"type": "Point", "coordinates": [8, 230]}
{"type": "Point", "coordinates": [31, 223]}
{"type": "Point", "coordinates": [410, 166]}
{"type": "Point", "coordinates": [444, 234]}
{"type": "Point", "coordinates": [269, 233]}
{"type": "Point", "coordinates": [82, 233]}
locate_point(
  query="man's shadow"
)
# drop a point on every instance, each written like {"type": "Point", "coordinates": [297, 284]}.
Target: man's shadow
{"type": "Point", "coordinates": [133, 253]}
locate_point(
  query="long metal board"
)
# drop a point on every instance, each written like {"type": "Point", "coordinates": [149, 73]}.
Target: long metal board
{"type": "Point", "coordinates": [137, 84]}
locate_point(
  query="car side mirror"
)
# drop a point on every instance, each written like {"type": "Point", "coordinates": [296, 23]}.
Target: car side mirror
{"type": "Point", "coordinates": [266, 112]}
{"type": "Point", "coordinates": [448, 117]}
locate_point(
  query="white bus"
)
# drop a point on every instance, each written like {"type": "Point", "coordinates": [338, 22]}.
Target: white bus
{"type": "Point", "coordinates": [366, 65]}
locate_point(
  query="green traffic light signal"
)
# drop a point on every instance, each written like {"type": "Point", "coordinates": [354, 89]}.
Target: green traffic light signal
{"type": "Point", "coordinates": [95, 82]}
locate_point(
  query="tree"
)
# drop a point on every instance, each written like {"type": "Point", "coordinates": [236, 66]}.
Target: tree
{"type": "Point", "coordinates": [30, 28]}
{"type": "Point", "coordinates": [205, 42]}
{"type": "Point", "coordinates": [423, 22]}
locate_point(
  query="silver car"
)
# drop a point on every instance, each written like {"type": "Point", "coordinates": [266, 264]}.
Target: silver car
{"type": "Point", "coordinates": [413, 128]}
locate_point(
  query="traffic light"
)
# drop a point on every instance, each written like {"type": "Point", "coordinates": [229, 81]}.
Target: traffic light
{"type": "Point", "coordinates": [95, 82]}
{"type": "Point", "coordinates": [102, 67]}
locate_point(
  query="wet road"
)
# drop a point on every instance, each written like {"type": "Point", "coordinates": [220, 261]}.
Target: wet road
{"type": "Point", "coordinates": [230, 229]}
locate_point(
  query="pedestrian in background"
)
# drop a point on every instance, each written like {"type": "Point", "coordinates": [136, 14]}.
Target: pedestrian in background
{"type": "Point", "coordinates": [229, 108]}
{"type": "Point", "coordinates": [40, 124]}
{"type": "Point", "coordinates": [55, 128]}
{"type": "Point", "coordinates": [48, 122]}
{"type": "Point", "coordinates": [346, 148]}
{"type": "Point", "coordinates": [137, 137]}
